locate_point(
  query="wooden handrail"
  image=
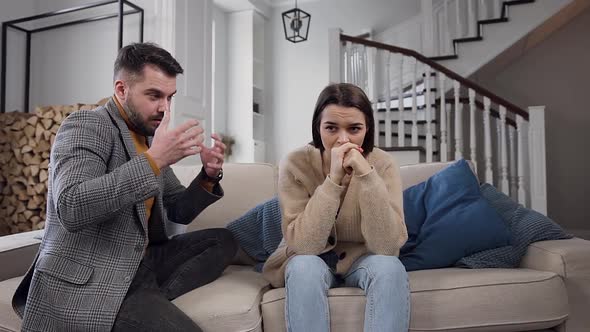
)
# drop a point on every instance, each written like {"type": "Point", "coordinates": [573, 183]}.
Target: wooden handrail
{"type": "Point", "coordinates": [510, 107]}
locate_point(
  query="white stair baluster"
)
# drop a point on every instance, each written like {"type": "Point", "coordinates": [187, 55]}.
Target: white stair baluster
{"type": "Point", "coordinates": [357, 69]}
{"type": "Point", "coordinates": [428, 102]}
{"type": "Point", "coordinates": [447, 35]}
{"type": "Point", "coordinates": [458, 122]}
{"type": "Point", "coordinates": [537, 159]}
{"type": "Point", "coordinates": [512, 176]}
{"type": "Point", "coordinates": [504, 155]}
{"type": "Point", "coordinates": [348, 62]}
{"type": "Point", "coordinates": [444, 154]}
{"type": "Point", "coordinates": [414, 106]}
{"type": "Point", "coordinates": [352, 65]}
{"type": "Point", "coordinates": [371, 81]}
{"type": "Point", "coordinates": [441, 34]}
{"type": "Point", "coordinates": [372, 88]}
{"type": "Point", "coordinates": [401, 126]}
{"type": "Point", "coordinates": [458, 26]}
{"type": "Point", "coordinates": [483, 10]}
{"type": "Point", "coordinates": [520, 160]}
{"type": "Point", "coordinates": [471, 19]}
{"type": "Point", "coordinates": [497, 166]}
{"type": "Point", "coordinates": [388, 101]}
{"type": "Point", "coordinates": [472, 138]}
{"type": "Point", "coordinates": [498, 8]}
{"type": "Point", "coordinates": [489, 173]}
{"type": "Point", "coordinates": [364, 75]}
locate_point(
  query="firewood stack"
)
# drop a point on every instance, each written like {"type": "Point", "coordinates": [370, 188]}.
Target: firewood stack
{"type": "Point", "coordinates": [25, 144]}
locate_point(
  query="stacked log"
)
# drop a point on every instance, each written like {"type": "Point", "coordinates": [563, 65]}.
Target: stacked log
{"type": "Point", "coordinates": [25, 145]}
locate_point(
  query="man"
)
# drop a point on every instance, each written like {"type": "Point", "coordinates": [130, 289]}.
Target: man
{"type": "Point", "coordinates": [106, 262]}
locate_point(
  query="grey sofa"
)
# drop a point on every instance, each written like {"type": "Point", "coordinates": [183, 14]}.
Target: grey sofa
{"type": "Point", "coordinates": [549, 292]}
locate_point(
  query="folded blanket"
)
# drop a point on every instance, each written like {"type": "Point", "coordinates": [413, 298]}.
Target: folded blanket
{"type": "Point", "coordinates": [526, 226]}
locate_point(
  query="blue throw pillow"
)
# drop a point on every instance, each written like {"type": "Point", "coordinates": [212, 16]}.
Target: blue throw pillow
{"type": "Point", "coordinates": [526, 226]}
{"type": "Point", "coordinates": [456, 220]}
{"type": "Point", "coordinates": [415, 214]}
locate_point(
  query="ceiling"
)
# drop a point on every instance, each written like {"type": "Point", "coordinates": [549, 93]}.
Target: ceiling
{"type": "Point", "coordinates": [239, 5]}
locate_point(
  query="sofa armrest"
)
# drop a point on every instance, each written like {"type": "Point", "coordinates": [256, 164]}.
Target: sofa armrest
{"type": "Point", "coordinates": [17, 252]}
{"type": "Point", "coordinates": [570, 260]}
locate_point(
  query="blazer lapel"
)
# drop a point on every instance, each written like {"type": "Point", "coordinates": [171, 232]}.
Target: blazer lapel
{"type": "Point", "coordinates": [127, 140]}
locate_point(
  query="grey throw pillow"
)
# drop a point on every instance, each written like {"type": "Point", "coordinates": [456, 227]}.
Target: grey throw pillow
{"type": "Point", "coordinates": [526, 226]}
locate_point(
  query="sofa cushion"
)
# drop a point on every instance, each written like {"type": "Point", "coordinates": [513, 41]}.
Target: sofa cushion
{"type": "Point", "coordinates": [20, 250]}
{"type": "Point", "coordinates": [245, 186]}
{"type": "Point", "coordinates": [448, 219]}
{"type": "Point", "coordinates": [453, 299]}
{"type": "Point", "coordinates": [230, 303]}
{"type": "Point", "coordinates": [9, 321]}
{"type": "Point", "coordinates": [526, 226]}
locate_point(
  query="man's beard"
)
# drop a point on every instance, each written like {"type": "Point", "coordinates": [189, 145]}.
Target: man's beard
{"type": "Point", "coordinates": [139, 126]}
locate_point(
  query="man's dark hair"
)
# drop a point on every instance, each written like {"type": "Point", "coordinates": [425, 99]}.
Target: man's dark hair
{"type": "Point", "coordinates": [346, 95]}
{"type": "Point", "coordinates": [134, 57]}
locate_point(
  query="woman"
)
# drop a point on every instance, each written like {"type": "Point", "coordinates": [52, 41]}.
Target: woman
{"type": "Point", "coordinates": [343, 221]}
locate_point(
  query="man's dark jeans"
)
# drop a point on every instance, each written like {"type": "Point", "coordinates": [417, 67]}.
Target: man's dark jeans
{"type": "Point", "coordinates": [168, 270]}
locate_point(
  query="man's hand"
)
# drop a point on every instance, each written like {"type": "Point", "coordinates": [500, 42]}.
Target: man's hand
{"type": "Point", "coordinates": [337, 155]}
{"type": "Point", "coordinates": [355, 161]}
{"type": "Point", "coordinates": [212, 158]}
{"type": "Point", "coordinates": [170, 146]}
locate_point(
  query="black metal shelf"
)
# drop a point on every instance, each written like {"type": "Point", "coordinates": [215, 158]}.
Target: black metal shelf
{"type": "Point", "coordinates": [17, 25]}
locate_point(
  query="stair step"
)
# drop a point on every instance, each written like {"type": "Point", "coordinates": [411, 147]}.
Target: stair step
{"type": "Point", "coordinates": [517, 2]}
{"type": "Point", "coordinates": [407, 108]}
{"type": "Point", "coordinates": [493, 20]}
{"type": "Point", "coordinates": [421, 149]}
{"type": "Point", "coordinates": [479, 37]}
{"type": "Point", "coordinates": [408, 122]}
{"type": "Point", "coordinates": [408, 95]}
{"type": "Point", "coordinates": [444, 57]}
{"type": "Point", "coordinates": [382, 133]}
{"type": "Point", "coordinates": [513, 3]}
{"type": "Point", "coordinates": [467, 39]}
{"type": "Point", "coordinates": [403, 148]}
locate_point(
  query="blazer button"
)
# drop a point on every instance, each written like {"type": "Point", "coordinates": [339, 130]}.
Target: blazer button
{"type": "Point", "coordinates": [342, 255]}
{"type": "Point", "coordinates": [127, 279]}
{"type": "Point", "coordinates": [331, 240]}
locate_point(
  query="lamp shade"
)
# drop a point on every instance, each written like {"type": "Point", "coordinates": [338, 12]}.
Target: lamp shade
{"type": "Point", "coordinates": [296, 25]}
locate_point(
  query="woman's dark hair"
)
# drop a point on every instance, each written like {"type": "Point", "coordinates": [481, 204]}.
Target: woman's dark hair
{"type": "Point", "coordinates": [346, 95]}
{"type": "Point", "coordinates": [134, 57]}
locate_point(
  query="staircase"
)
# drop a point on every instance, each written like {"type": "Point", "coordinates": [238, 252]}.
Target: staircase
{"type": "Point", "coordinates": [426, 109]}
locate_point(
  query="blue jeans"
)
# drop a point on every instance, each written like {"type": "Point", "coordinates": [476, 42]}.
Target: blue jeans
{"type": "Point", "coordinates": [383, 278]}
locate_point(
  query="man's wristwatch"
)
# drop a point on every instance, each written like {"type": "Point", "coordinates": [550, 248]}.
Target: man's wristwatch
{"type": "Point", "coordinates": [214, 179]}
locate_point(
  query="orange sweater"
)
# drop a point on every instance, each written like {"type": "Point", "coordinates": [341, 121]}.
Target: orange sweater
{"type": "Point", "coordinates": [141, 147]}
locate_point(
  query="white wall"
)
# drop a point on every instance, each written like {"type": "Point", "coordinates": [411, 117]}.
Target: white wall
{"type": "Point", "coordinates": [74, 64]}
{"type": "Point", "coordinates": [555, 73]}
{"type": "Point", "coordinates": [220, 71]}
{"type": "Point", "coordinates": [239, 88]}
{"type": "Point", "coordinates": [300, 71]}
{"type": "Point", "coordinates": [16, 44]}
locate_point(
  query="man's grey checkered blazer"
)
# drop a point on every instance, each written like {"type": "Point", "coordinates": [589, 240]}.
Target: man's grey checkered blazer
{"type": "Point", "coordinates": [96, 228]}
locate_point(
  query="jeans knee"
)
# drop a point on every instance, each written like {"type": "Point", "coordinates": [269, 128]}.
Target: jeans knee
{"type": "Point", "coordinates": [227, 242]}
{"type": "Point", "coordinates": [388, 268]}
{"type": "Point", "coordinates": [306, 269]}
